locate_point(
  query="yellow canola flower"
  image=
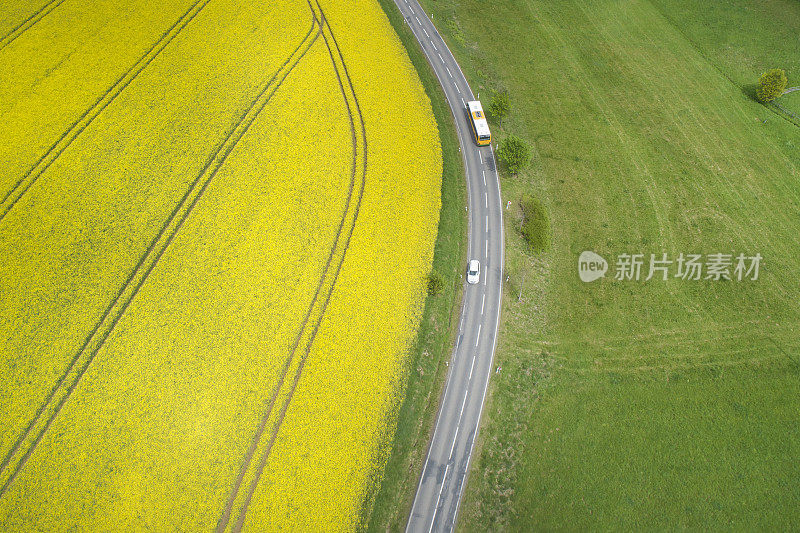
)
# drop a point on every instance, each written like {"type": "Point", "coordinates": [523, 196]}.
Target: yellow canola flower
{"type": "Point", "coordinates": [329, 445]}
{"type": "Point", "coordinates": [155, 434]}
{"type": "Point", "coordinates": [157, 431]}
{"type": "Point", "coordinates": [14, 13]}
{"type": "Point", "coordinates": [59, 66]}
{"type": "Point", "coordinates": [71, 241]}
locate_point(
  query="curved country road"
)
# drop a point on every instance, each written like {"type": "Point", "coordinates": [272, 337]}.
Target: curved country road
{"type": "Point", "coordinates": [445, 470]}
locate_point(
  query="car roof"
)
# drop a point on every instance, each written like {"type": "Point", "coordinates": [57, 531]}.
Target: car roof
{"type": "Point", "coordinates": [474, 264]}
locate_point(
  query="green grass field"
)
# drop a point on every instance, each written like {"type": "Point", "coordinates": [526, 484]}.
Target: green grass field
{"type": "Point", "coordinates": [625, 404]}
{"type": "Point", "coordinates": [742, 39]}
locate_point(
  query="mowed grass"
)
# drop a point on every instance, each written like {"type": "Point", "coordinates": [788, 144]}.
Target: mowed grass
{"type": "Point", "coordinates": [636, 404]}
{"type": "Point", "coordinates": [742, 39]}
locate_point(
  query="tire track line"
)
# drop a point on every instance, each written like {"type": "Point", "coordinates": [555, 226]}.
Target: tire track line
{"type": "Point", "coordinates": [685, 339]}
{"type": "Point", "coordinates": [666, 336]}
{"type": "Point", "coordinates": [26, 443]}
{"type": "Point", "coordinates": [647, 361]}
{"type": "Point", "coordinates": [26, 24]}
{"type": "Point", "coordinates": [689, 366]}
{"type": "Point", "coordinates": [30, 177]}
{"type": "Point", "coordinates": [261, 427]}
{"type": "Point", "coordinates": [237, 527]}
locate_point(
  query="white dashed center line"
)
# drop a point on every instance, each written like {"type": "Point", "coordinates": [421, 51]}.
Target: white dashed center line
{"type": "Point", "coordinates": [453, 446]}
{"type": "Point", "coordinates": [461, 335]}
{"type": "Point", "coordinates": [439, 497]}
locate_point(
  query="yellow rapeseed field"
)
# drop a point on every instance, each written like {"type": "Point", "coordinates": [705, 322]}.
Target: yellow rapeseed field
{"type": "Point", "coordinates": [323, 464]}
{"type": "Point", "coordinates": [215, 235]}
{"type": "Point", "coordinates": [70, 241]}
{"type": "Point", "coordinates": [81, 61]}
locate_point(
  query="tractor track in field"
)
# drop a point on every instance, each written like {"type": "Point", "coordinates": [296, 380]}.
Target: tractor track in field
{"type": "Point", "coordinates": [30, 177]}
{"type": "Point", "coordinates": [26, 443]}
{"type": "Point", "coordinates": [29, 22]}
{"type": "Point", "coordinates": [261, 428]}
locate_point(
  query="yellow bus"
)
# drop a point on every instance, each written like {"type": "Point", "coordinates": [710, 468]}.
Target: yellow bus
{"type": "Point", "coordinates": [480, 128]}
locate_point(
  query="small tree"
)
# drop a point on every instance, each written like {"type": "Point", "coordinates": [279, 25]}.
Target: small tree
{"type": "Point", "coordinates": [771, 85]}
{"type": "Point", "coordinates": [514, 153]}
{"type": "Point", "coordinates": [500, 106]}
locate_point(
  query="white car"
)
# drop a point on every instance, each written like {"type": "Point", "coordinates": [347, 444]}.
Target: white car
{"type": "Point", "coordinates": [474, 271]}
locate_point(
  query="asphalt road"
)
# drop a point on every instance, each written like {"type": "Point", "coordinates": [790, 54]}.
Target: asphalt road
{"type": "Point", "coordinates": [445, 470]}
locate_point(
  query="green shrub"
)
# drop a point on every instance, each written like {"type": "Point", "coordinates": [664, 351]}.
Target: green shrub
{"type": "Point", "coordinates": [514, 153]}
{"type": "Point", "coordinates": [535, 224]}
{"type": "Point", "coordinates": [771, 85]}
{"type": "Point", "coordinates": [500, 106]}
{"type": "Point", "coordinates": [455, 31]}
{"type": "Point", "coordinates": [435, 283]}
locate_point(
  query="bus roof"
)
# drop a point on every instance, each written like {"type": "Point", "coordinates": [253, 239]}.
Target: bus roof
{"type": "Point", "coordinates": [481, 127]}
{"type": "Point", "coordinates": [478, 117]}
